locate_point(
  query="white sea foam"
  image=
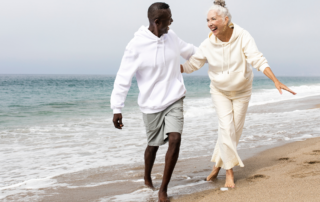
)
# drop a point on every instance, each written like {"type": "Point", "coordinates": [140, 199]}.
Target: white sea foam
{"type": "Point", "coordinates": [265, 96]}
{"type": "Point", "coordinates": [32, 184]}
{"type": "Point", "coordinates": [146, 194]}
{"type": "Point", "coordinates": [95, 185]}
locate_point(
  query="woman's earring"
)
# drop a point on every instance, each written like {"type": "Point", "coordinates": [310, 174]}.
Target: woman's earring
{"type": "Point", "coordinates": [224, 29]}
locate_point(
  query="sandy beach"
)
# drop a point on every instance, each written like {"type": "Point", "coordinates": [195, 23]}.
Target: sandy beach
{"type": "Point", "coordinates": [286, 173]}
{"type": "Point", "coordinates": [290, 172]}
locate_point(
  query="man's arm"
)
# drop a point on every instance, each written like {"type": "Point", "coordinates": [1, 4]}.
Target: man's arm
{"type": "Point", "coordinates": [122, 85]}
{"type": "Point", "coordinates": [186, 49]}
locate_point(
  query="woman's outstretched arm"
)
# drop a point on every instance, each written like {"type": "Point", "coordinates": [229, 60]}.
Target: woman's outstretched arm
{"type": "Point", "coordinates": [268, 72]}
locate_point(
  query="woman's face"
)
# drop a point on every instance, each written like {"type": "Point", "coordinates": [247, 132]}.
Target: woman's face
{"type": "Point", "coordinates": [215, 23]}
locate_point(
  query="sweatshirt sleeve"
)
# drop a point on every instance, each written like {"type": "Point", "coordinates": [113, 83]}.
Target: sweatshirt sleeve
{"type": "Point", "coordinates": [195, 62]}
{"type": "Point", "coordinates": [123, 80]}
{"type": "Point", "coordinates": [186, 49]}
{"type": "Point", "coordinates": [253, 56]}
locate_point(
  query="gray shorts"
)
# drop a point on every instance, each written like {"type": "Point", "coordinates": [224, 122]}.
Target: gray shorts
{"type": "Point", "coordinates": [159, 125]}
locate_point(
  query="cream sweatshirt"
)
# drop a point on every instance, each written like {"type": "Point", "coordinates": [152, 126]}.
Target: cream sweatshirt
{"type": "Point", "coordinates": [156, 64]}
{"type": "Point", "coordinates": [229, 62]}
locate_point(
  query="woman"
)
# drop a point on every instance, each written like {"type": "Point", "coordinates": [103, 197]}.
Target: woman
{"type": "Point", "coordinates": [229, 50]}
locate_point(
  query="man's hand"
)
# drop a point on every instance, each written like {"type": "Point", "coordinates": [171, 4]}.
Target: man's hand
{"type": "Point", "coordinates": [117, 121]}
{"type": "Point", "coordinates": [181, 69]}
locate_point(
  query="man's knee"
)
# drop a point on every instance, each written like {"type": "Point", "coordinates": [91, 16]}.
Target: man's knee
{"type": "Point", "coordinates": [152, 149]}
{"type": "Point", "coordinates": [175, 138]}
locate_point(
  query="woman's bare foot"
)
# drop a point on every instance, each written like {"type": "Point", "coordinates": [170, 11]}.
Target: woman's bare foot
{"type": "Point", "coordinates": [214, 173]}
{"type": "Point", "coordinates": [229, 179]}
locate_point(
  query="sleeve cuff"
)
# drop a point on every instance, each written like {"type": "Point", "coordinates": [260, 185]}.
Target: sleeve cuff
{"type": "Point", "coordinates": [116, 111]}
{"type": "Point", "coordinates": [187, 68]}
{"type": "Point", "coordinates": [263, 67]}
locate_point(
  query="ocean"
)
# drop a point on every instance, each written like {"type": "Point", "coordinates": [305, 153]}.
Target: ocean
{"type": "Point", "coordinates": [61, 125]}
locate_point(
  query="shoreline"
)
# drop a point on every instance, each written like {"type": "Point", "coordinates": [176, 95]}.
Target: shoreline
{"type": "Point", "coordinates": [284, 173]}
{"type": "Point", "coordinates": [125, 183]}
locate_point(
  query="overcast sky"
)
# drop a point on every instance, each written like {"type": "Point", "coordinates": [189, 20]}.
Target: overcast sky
{"type": "Point", "coordinates": [89, 37]}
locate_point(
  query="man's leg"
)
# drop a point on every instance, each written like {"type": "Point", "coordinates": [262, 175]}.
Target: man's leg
{"type": "Point", "coordinates": [171, 160]}
{"type": "Point", "coordinates": [149, 157]}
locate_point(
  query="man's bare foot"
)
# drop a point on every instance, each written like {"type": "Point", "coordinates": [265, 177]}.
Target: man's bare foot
{"type": "Point", "coordinates": [214, 173]}
{"type": "Point", "coordinates": [148, 183]}
{"type": "Point", "coordinates": [229, 179]}
{"type": "Point", "coordinates": [163, 197]}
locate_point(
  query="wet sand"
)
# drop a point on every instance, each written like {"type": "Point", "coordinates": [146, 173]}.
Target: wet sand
{"type": "Point", "coordinates": [286, 173]}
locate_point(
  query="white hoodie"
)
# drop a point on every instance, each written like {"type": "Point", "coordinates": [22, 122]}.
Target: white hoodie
{"type": "Point", "coordinates": [156, 63]}
{"type": "Point", "coordinates": [229, 68]}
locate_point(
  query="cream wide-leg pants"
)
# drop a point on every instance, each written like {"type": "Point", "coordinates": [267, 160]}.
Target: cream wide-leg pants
{"type": "Point", "coordinates": [231, 108]}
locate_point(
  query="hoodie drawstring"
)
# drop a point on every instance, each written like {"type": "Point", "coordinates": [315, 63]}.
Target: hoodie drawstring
{"type": "Point", "coordinates": [229, 58]}
{"type": "Point", "coordinates": [222, 58]}
{"type": "Point", "coordinates": [229, 55]}
{"type": "Point", "coordinates": [164, 59]}
{"type": "Point", "coordinates": [155, 57]}
{"type": "Point", "coordinates": [163, 56]}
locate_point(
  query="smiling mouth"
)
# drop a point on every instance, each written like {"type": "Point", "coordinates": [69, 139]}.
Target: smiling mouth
{"type": "Point", "coordinates": [214, 29]}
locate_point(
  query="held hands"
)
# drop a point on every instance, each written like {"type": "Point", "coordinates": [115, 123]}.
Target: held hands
{"type": "Point", "coordinates": [117, 121]}
{"type": "Point", "coordinates": [280, 86]}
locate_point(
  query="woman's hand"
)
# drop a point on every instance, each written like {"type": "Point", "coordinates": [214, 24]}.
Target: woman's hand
{"type": "Point", "coordinates": [181, 68]}
{"type": "Point", "coordinates": [281, 86]}
{"type": "Point", "coordinates": [268, 72]}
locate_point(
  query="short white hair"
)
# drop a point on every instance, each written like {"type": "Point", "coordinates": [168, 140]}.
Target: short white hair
{"type": "Point", "coordinates": [221, 11]}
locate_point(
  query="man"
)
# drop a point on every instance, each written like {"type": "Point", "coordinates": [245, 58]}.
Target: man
{"type": "Point", "coordinates": [153, 55]}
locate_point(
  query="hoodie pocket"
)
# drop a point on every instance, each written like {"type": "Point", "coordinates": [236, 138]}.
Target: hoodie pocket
{"type": "Point", "coordinates": [232, 81]}
{"type": "Point", "coordinates": [164, 93]}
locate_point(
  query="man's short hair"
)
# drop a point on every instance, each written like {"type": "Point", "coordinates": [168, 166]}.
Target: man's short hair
{"type": "Point", "coordinates": [154, 8]}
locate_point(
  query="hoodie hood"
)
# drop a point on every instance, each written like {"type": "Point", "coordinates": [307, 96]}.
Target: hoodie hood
{"type": "Point", "coordinates": [147, 39]}
{"type": "Point", "coordinates": [146, 34]}
{"type": "Point", "coordinates": [237, 31]}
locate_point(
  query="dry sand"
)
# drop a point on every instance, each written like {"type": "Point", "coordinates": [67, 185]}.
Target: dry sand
{"type": "Point", "coordinates": [286, 173]}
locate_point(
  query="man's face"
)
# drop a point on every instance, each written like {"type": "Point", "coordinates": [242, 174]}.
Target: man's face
{"type": "Point", "coordinates": [164, 22]}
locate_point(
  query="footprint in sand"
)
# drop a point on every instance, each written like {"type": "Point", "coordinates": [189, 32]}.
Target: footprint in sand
{"type": "Point", "coordinates": [286, 159]}
{"type": "Point", "coordinates": [314, 152]}
{"type": "Point", "coordinates": [303, 175]}
{"type": "Point", "coordinates": [313, 162]}
{"type": "Point", "coordinates": [283, 159]}
{"type": "Point", "coordinates": [257, 177]}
